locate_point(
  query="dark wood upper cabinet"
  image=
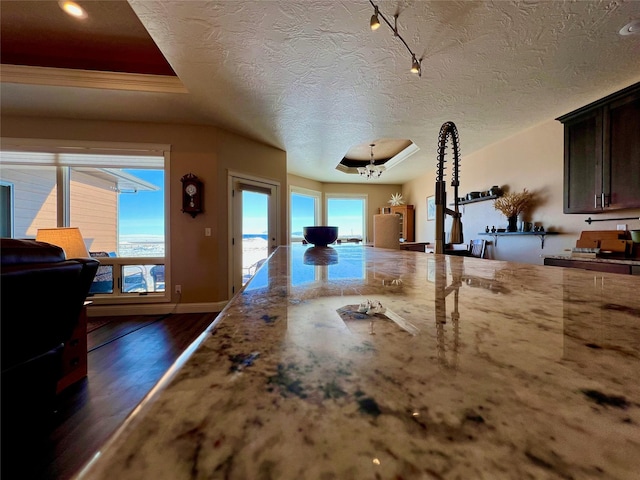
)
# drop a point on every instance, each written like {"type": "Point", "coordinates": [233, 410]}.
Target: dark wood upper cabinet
{"type": "Point", "coordinates": [602, 154]}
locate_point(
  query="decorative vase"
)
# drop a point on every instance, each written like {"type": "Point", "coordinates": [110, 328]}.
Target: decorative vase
{"type": "Point", "coordinates": [495, 191]}
{"type": "Point", "coordinates": [513, 224]}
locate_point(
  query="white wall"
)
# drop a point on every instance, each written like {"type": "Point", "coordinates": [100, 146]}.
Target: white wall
{"type": "Point", "coordinates": [531, 159]}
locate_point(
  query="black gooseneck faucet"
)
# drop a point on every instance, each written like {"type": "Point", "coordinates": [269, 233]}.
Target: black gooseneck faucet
{"type": "Point", "coordinates": [448, 130]}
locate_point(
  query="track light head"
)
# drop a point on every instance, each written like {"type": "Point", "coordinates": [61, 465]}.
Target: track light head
{"type": "Point", "coordinates": [375, 21]}
{"type": "Point", "coordinates": [416, 66]}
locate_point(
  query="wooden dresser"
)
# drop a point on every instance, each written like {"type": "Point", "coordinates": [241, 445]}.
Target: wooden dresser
{"type": "Point", "coordinates": [407, 220]}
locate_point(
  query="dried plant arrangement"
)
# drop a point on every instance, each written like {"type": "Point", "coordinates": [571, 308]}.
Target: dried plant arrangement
{"type": "Point", "coordinates": [511, 204]}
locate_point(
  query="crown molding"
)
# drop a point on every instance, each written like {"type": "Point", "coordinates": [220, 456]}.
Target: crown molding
{"type": "Point", "coordinates": [401, 156]}
{"type": "Point", "coordinates": [66, 77]}
{"type": "Point", "coordinates": [390, 163]}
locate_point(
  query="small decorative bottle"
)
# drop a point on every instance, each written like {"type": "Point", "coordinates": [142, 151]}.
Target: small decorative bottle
{"type": "Point", "coordinates": [486, 230]}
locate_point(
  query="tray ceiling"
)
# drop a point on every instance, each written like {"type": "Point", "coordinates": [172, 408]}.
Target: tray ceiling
{"type": "Point", "coordinates": [312, 79]}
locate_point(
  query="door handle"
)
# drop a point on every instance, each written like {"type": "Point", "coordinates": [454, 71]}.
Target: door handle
{"type": "Point", "coordinates": [603, 198]}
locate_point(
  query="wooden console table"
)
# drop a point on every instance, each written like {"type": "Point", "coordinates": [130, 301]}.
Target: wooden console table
{"type": "Point", "coordinates": [414, 246]}
{"type": "Point", "coordinates": [74, 354]}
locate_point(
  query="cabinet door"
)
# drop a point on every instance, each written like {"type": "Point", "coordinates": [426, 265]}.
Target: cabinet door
{"type": "Point", "coordinates": [583, 163]}
{"type": "Point", "coordinates": [402, 224]}
{"type": "Point", "coordinates": [406, 213]}
{"type": "Point", "coordinates": [409, 224]}
{"type": "Point", "coordinates": [621, 173]}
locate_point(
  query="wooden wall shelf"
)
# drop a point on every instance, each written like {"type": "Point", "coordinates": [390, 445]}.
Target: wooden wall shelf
{"type": "Point", "coordinates": [541, 235]}
{"type": "Point", "coordinates": [475, 200]}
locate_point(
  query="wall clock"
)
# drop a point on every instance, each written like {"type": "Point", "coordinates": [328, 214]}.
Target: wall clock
{"type": "Point", "coordinates": [192, 195]}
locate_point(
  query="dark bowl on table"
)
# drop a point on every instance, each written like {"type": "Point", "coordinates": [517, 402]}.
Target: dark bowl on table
{"type": "Point", "coordinates": [320, 256]}
{"type": "Point", "coordinates": [320, 236]}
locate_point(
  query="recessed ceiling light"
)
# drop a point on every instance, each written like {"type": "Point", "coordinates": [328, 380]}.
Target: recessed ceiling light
{"type": "Point", "coordinates": [631, 28]}
{"type": "Point", "coordinates": [73, 9]}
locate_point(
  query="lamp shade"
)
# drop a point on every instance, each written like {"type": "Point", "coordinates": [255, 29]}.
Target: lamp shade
{"type": "Point", "coordinates": [68, 238]}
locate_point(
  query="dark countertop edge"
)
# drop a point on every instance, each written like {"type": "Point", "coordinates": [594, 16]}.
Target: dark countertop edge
{"type": "Point", "coordinates": [624, 261]}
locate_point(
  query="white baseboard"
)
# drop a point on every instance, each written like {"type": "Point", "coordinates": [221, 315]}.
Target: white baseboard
{"type": "Point", "coordinates": [154, 309]}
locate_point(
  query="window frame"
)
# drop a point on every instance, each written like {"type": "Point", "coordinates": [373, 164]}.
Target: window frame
{"type": "Point", "coordinates": [317, 202]}
{"type": "Point", "coordinates": [235, 182]}
{"type": "Point", "coordinates": [10, 204]}
{"type": "Point", "coordinates": [114, 149]}
{"type": "Point", "coordinates": [349, 196]}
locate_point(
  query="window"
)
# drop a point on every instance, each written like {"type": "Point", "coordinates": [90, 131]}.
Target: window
{"type": "Point", "coordinates": [6, 209]}
{"type": "Point", "coordinates": [305, 211]}
{"type": "Point", "coordinates": [348, 214]}
{"type": "Point", "coordinates": [115, 194]}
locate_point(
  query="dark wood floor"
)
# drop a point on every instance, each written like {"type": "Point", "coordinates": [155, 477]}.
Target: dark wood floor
{"type": "Point", "coordinates": [127, 356]}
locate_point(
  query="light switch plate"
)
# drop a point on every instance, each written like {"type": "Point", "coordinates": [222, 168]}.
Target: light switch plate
{"type": "Point", "coordinates": [622, 226]}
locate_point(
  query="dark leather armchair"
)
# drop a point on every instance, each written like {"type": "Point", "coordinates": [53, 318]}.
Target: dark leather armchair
{"type": "Point", "coordinates": [42, 294]}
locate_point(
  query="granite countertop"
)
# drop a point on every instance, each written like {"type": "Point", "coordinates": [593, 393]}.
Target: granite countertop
{"type": "Point", "coordinates": [624, 261]}
{"type": "Point", "coordinates": [477, 369]}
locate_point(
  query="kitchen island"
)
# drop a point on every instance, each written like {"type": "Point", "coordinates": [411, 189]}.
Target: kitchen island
{"type": "Point", "coordinates": [461, 368]}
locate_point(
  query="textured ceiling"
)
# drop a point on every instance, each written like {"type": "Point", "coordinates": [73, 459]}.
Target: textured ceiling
{"type": "Point", "coordinates": [311, 78]}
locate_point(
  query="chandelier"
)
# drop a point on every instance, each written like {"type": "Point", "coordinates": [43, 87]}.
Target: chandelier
{"type": "Point", "coordinates": [371, 170]}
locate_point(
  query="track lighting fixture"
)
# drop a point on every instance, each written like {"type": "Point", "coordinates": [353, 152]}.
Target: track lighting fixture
{"type": "Point", "coordinates": [416, 64]}
{"type": "Point", "coordinates": [375, 21]}
{"type": "Point", "coordinates": [371, 170]}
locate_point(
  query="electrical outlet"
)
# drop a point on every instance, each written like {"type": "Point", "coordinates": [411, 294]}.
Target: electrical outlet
{"type": "Point", "coordinates": [179, 289]}
{"type": "Point", "coordinates": [622, 226]}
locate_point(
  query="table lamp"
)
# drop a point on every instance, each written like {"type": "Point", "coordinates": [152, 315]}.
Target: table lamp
{"type": "Point", "coordinates": [68, 238]}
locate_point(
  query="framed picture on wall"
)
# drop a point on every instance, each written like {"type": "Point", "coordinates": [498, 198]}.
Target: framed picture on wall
{"type": "Point", "coordinates": [431, 207]}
